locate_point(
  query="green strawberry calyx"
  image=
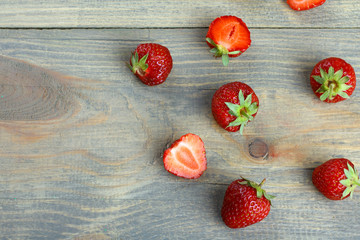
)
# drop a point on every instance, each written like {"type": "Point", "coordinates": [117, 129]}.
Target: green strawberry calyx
{"type": "Point", "coordinates": [259, 191]}
{"type": "Point", "coordinates": [351, 182]}
{"type": "Point", "coordinates": [221, 51]}
{"type": "Point", "coordinates": [138, 66]}
{"type": "Point", "coordinates": [242, 111]}
{"type": "Point", "coordinates": [332, 84]}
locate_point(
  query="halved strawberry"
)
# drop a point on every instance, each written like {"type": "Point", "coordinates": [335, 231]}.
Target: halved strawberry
{"type": "Point", "coordinates": [301, 5]}
{"type": "Point", "coordinates": [186, 157]}
{"type": "Point", "coordinates": [228, 36]}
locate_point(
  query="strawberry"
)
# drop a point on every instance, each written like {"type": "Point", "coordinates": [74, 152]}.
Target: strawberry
{"type": "Point", "coordinates": [333, 80]}
{"type": "Point", "coordinates": [155, 63]}
{"type": "Point", "coordinates": [234, 105]}
{"type": "Point", "coordinates": [301, 5]}
{"type": "Point", "coordinates": [186, 157]}
{"type": "Point", "coordinates": [245, 203]}
{"type": "Point", "coordinates": [336, 178]}
{"type": "Point", "coordinates": [228, 36]}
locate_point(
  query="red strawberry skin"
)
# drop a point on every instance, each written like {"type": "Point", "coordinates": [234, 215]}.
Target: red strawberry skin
{"type": "Point", "coordinates": [159, 62]}
{"type": "Point", "coordinates": [229, 93]}
{"type": "Point", "coordinates": [326, 178]}
{"type": "Point", "coordinates": [241, 206]}
{"type": "Point", "coordinates": [186, 157]}
{"type": "Point", "coordinates": [301, 5]}
{"type": "Point", "coordinates": [230, 32]}
{"type": "Point", "coordinates": [337, 64]}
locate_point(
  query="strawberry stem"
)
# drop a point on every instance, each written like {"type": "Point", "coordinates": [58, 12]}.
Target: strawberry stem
{"type": "Point", "coordinates": [220, 51]}
{"type": "Point", "coordinates": [242, 111]}
{"type": "Point", "coordinates": [259, 191]}
{"type": "Point", "coordinates": [139, 66]}
{"type": "Point", "coordinates": [262, 182]}
{"type": "Point", "coordinates": [351, 181]}
{"type": "Point", "coordinates": [332, 84]}
{"type": "Point", "coordinates": [331, 90]}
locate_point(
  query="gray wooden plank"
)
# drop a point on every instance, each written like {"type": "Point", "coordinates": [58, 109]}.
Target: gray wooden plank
{"type": "Point", "coordinates": [81, 144]}
{"type": "Point", "coordinates": [185, 13]}
{"type": "Point", "coordinates": [303, 217]}
{"type": "Point", "coordinates": [288, 54]}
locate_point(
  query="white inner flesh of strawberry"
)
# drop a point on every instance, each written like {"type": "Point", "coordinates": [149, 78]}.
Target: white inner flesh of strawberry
{"type": "Point", "coordinates": [185, 156]}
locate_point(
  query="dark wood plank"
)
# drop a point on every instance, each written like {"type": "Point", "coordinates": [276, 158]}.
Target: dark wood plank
{"type": "Point", "coordinates": [81, 144]}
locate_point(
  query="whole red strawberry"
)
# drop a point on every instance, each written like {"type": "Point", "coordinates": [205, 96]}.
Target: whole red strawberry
{"type": "Point", "coordinates": [151, 63]}
{"type": "Point", "coordinates": [186, 157]}
{"type": "Point", "coordinates": [336, 178]}
{"type": "Point", "coordinates": [234, 105]}
{"type": "Point", "coordinates": [228, 36]}
{"type": "Point", "coordinates": [245, 203]}
{"type": "Point", "coordinates": [333, 80]}
{"type": "Point", "coordinates": [301, 5]}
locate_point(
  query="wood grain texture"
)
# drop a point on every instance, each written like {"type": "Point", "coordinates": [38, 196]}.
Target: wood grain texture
{"type": "Point", "coordinates": [174, 14]}
{"type": "Point", "coordinates": [81, 156]}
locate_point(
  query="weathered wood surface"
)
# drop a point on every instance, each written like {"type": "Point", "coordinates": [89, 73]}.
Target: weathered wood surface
{"type": "Point", "coordinates": [81, 138]}
{"type": "Point", "coordinates": [169, 13]}
{"type": "Point", "coordinates": [81, 157]}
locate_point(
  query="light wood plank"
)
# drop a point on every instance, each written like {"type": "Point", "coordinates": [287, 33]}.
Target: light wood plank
{"type": "Point", "coordinates": [81, 144]}
{"type": "Point", "coordinates": [178, 14]}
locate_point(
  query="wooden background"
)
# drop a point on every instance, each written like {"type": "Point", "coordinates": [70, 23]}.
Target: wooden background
{"type": "Point", "coordinates": [81, 139]}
